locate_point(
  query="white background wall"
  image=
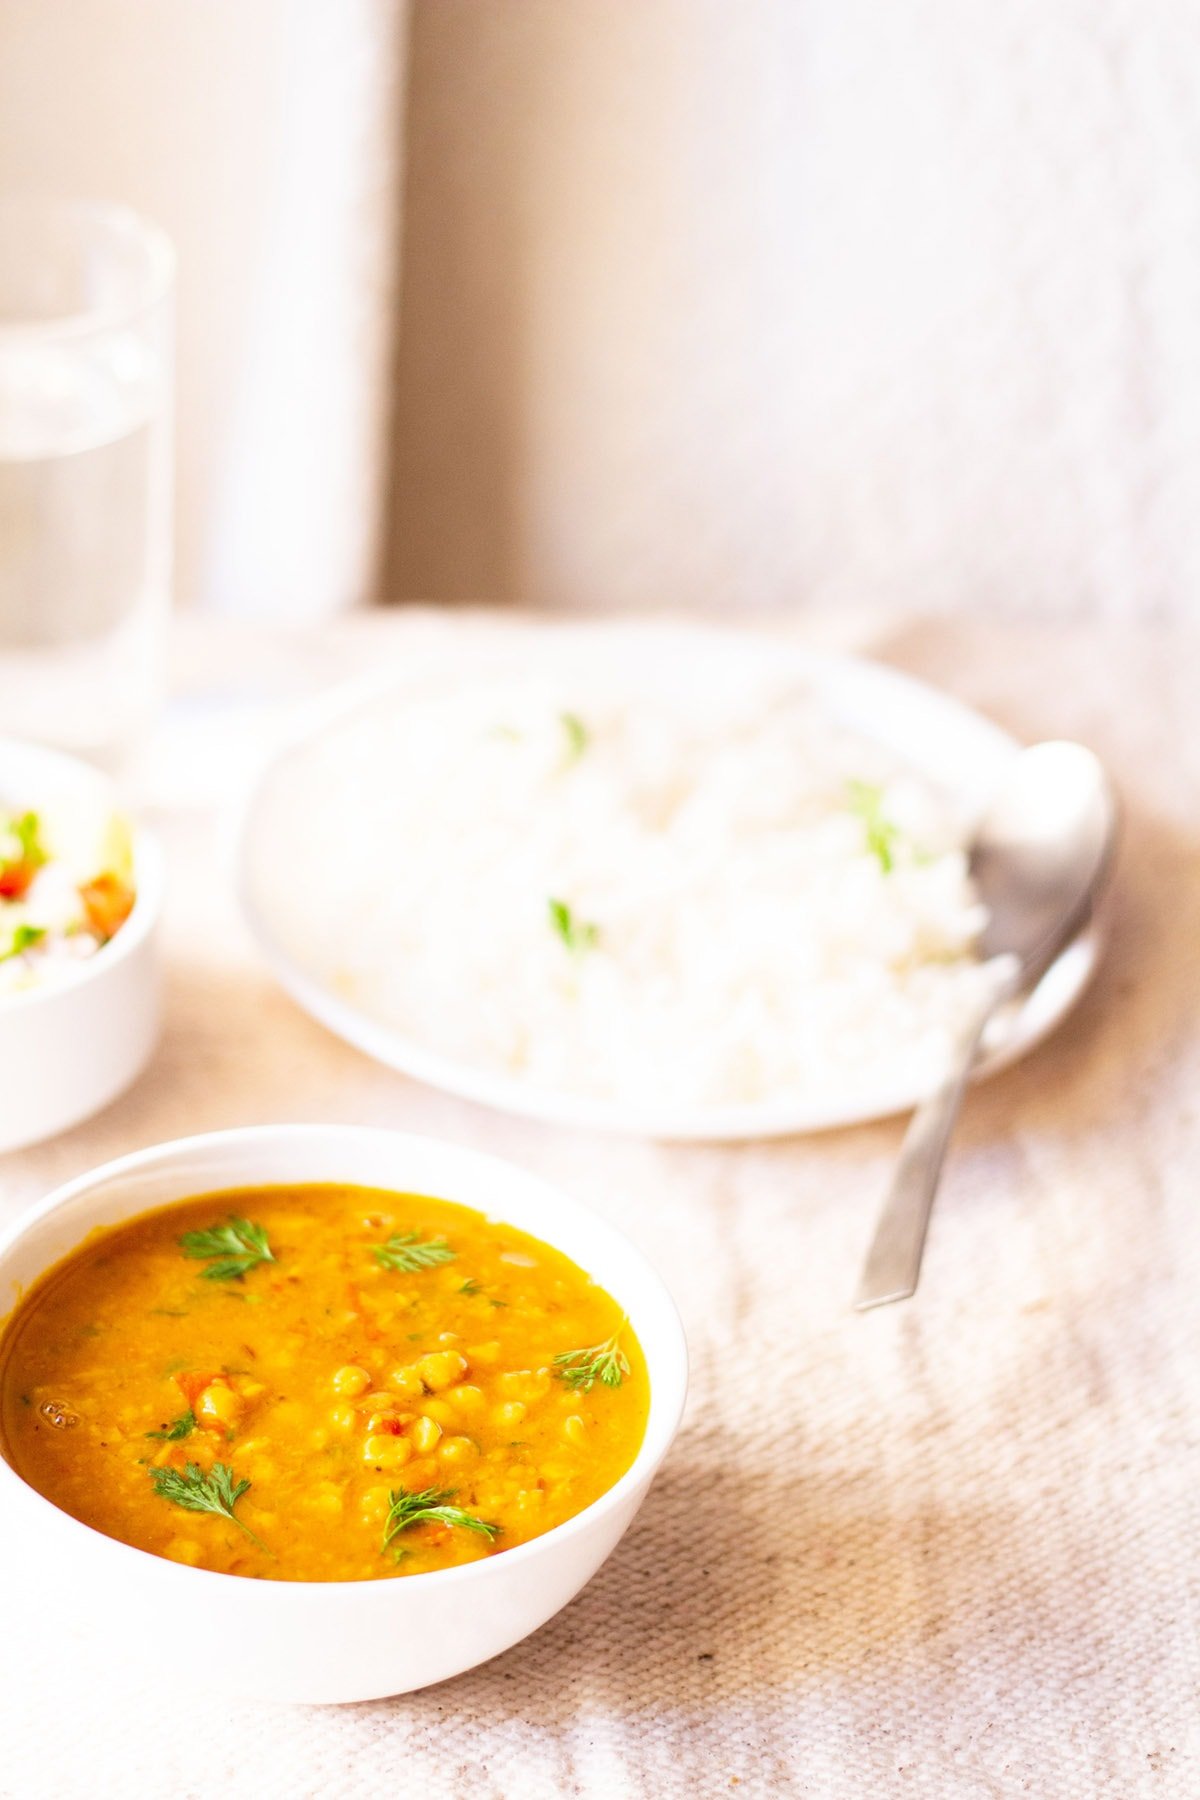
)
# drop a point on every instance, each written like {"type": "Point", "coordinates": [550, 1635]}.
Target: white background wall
{"type": "Point", "coordinates": [731, 304]}
{"type": "Point", "coordinates": [757, 303]}
{"type": "Point", "coordinates": [265, 136]}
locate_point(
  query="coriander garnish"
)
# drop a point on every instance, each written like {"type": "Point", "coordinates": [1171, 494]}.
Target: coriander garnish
{"type": "Point", "coordinates": [577, 735]}
{"type": "Point", "coordinates": [429, 1507]}
{"type": "Point", "coordinates": [605, 1363]}
{"type": "Point", "coordinates": [882, 835]}
{"type": "Point", "coordinates": [470, 1286]}
{"type": "Point", "coordinates": [407, 1252]}
{"type": "Point", "coordinates": [26, 832]}
{"type": "Point", "coordinates": [232, 1249]}
{"type": "Point", "coordinates": [181, 1427]}
{"type": "Point", "coordinates": [577, 934]}
{"type": "Point", "coordinates": [216, 1492]}
{"type": "Point", "coordinates": [24, 937]}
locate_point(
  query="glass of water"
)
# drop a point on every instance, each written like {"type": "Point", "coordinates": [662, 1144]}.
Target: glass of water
{"type": "Point", "coordinates": [85, 474]}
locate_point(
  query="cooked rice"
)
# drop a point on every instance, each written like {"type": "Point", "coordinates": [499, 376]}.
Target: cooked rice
{"type": "Point", "coordinates": [735, 935]}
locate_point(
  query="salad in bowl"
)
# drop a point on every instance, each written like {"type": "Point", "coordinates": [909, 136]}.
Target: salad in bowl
{"type": "Point", "coordinates": [66, 888]}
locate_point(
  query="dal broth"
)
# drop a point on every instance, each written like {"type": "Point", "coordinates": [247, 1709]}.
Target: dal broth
{"type": "Point", "coordinates": [320, 1383]}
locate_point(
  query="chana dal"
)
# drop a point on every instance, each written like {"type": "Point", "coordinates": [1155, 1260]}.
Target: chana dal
{"type": "Point", "coordinates": [320, 1383]}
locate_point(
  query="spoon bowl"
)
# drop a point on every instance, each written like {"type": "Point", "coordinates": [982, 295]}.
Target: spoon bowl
{"type": "Point", "coordinates": [1041, 853]}
{"type": "Point", "coordinates": [1039, 859]}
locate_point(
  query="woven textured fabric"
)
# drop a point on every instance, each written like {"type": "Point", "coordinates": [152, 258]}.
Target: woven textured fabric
{"type": "Point", "coordinates": [947, 1549]}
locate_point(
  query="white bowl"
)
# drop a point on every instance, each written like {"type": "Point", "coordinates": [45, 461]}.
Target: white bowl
{"type": "Point", "coordinates": [70, 1047]}
{"type": "Point", "coordinates": [339, 1640]}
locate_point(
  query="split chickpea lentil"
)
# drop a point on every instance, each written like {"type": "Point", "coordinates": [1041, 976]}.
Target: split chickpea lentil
{"type": "Point", "coordinates": [356, 1346]}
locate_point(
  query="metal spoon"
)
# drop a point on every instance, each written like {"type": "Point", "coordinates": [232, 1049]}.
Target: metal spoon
{"type": "Point", "coordinates": [1039, 858]}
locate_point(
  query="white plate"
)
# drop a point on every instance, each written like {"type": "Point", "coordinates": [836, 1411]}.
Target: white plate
{"type": "Point", "coordinates": [946, 741]}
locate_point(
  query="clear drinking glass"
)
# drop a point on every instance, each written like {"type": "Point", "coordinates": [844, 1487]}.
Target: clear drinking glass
{"type": "Point", "coordinates": [85, 473]}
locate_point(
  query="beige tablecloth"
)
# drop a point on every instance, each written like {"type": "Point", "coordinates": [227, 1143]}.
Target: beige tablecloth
{"type": "Point", "coordinates": [947, 1549]}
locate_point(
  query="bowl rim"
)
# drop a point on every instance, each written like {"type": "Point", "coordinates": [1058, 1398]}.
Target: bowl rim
{"type": "Point", "coordinates": [650, 1454]}
{"type": "Point", "coordinates": [149, 866]}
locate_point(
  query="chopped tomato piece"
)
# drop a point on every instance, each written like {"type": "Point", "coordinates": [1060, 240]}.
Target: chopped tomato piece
{"type": "Point", "coordinates": [192, 1385]}
{"type": "Point", "coordinates": [108, 902]}
{"type": "Point", "coordinates": [15, 878]}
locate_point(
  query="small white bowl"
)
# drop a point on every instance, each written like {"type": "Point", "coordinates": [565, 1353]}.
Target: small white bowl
{"type": "Point", "coordinates": [68, 1048]}
{"type": "Point", "coordinates": [339, 1640]}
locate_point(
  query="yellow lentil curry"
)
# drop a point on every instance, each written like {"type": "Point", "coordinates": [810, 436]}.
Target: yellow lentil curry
{"type": "Point", "coordinates": [320, 1383]}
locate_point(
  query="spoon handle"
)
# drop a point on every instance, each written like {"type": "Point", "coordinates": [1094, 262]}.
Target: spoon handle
{"type": "Point", "coordinates": [893, 1263]}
